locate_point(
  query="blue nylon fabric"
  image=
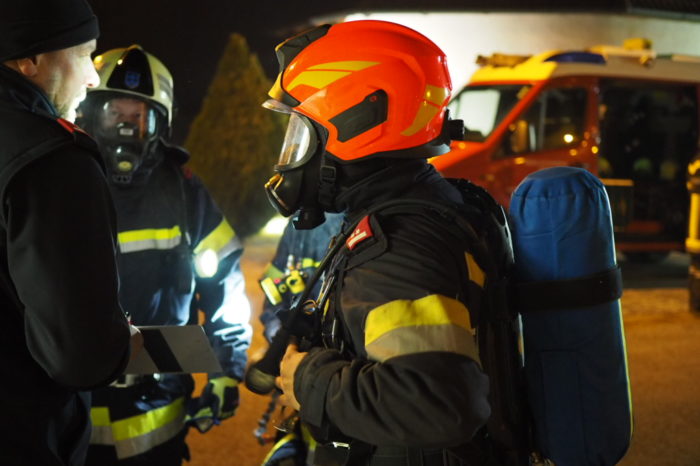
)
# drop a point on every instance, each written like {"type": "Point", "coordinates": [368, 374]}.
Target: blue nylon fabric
{"type": "Point", "coordinates": [575, 360]}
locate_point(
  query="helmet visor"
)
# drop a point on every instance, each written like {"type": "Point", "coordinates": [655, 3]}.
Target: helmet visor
{"type": "Point", "coordinates": [300, 143]}
{"type": "Point", "coordinates": [128, 118]}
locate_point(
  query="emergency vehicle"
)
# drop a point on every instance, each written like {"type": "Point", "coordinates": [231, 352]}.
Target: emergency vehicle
{"type": "Point", "coordinates": [625, 113]}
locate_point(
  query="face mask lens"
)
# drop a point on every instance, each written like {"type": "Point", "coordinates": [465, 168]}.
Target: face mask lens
{"type": "Point", "coordinates": [127, 118]}
{"type": "Point", "coordinates": [299, 142]}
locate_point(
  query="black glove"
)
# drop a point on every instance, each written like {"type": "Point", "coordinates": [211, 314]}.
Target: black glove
{"type": "Point", "coordinates": [218, 401]}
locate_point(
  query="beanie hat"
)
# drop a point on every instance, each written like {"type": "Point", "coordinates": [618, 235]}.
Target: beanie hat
{"type": "Point", "coordinates": [30, 27]}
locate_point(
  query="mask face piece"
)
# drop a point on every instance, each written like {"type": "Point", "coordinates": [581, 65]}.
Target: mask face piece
{"type": "Point", "coordinates": [126, 130]}
{"type": "Point", "coordinates": [300, 143]}
{"type": "Point", "coordinates": [293, 186]}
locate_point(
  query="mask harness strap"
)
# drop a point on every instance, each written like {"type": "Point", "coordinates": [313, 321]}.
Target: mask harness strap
{"type": "Point", "coordinates": [327, 182]}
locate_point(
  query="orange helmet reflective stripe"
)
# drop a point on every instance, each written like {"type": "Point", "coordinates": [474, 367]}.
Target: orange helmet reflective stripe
{"type": "Point", "coordinates": [378, 88]}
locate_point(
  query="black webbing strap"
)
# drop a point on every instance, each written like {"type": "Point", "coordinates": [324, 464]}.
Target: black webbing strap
{"type": "Point", "coordinates": [586, 291]}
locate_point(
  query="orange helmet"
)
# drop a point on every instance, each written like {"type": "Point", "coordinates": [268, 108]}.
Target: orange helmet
{"type": "Point", "coordinates": [379, 89]}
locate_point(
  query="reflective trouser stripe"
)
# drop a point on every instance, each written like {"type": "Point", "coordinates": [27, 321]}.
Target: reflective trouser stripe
{"type": "Point", "coordinates": [280, 443]}
{"type": "Point", "coordinates": [138, 434]}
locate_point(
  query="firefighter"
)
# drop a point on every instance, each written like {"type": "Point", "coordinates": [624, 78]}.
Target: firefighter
{"type": "Point", "coordinates": [298, 255]}
{"type": "Point", "coordinates": [396, 378]}
{"type": "Point", "coordinates": [63, 331]}
{"type": "Point", "coordinates": [178, 256]}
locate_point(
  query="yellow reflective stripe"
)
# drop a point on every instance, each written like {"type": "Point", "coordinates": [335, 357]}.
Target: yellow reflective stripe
{"type": "Point", "coordinates": [476, 274]}
{"type": "Point", "coordinates": [220, 240]}
{"type": "Point", "coordinates": [435, 94]}
{"type": "Point", "coordinates": [354, 65]}
{"type": "Point", "coordinates": [149, 421]}
{"type": "Point", "coordinates": [99, 415]}
{"type": "Point", "coordinates": [149, 238]}
{"type": "Point", "coordinates": [324, 74]}
{"type": "Point", "coordinates": [307, 438]}
{"type": "Point", "coordinates": [433, 98]}
{"type": "Point", "coordinates": [432, 323]}
{"type": "Point", "coordinates": [280, 443]}
{"type": "Point", "coordinates": [425, 113]}
{"type": "Point", "coordinates": [317, 79]}
{"type": "Point", "coordinates": [434, 309]}
{"type": "Point", "coordinates": [309, 262]}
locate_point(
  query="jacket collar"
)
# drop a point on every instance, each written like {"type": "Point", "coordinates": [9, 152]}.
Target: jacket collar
{"type": "Point", "coordinates": [22, 93]}
{"type": "Point", "coordinates": [402, 179]}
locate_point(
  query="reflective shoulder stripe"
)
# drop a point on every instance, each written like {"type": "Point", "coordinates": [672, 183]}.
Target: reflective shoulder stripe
{"type": "Point", "coordinates": [476, 274]}
{"type": "Point", "coordinates": [222, 240]}
{"type": "Point", "coordinates": [432, 323]}
{"type": "Point", "coordinates": [149, 238]}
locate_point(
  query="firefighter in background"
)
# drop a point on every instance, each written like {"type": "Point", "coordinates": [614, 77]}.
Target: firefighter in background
{"type": "Point", "coordinates": [397, 379]}
{"type": "Point", "coordinates": [178, 256]}
{"type": "Point", "coordinates": [298, 255]}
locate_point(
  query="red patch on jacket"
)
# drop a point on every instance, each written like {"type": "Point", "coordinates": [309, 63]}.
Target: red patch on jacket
{"type": "Point", "coordinates": [362, 232]}
{"type": "Point", "coordinates": [186, 172]}
{"type": "Point", "coordinates": [70, 127]}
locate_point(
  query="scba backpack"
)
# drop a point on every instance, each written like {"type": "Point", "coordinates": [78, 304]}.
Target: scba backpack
{"type": "Point", "coordinates": [549, 325]}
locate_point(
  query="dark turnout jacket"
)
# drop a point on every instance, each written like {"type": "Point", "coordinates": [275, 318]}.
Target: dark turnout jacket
{"type": "Point", "coordinates": [400, 367]}
{"type": "Point", "coordinates": [63, 329]}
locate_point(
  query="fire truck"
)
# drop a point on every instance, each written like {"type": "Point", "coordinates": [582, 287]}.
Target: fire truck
{"type": "Point", "coordinates": [625, 113]}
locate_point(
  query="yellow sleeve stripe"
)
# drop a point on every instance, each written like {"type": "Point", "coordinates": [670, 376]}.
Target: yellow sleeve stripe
{"type": "Point", "coordinates": [432, 323]}
{"type": "Point", "coordinates": [221, 240]}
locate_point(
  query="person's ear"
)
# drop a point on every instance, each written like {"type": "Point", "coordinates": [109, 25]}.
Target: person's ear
{"type": "Point", "coordinates": [28, 66]}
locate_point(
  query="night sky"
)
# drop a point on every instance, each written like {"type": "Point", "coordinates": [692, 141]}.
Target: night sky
{"type": "Point", "coordinates": [190, 42]}
{"type": "Point", "coordinates": [189, 35]}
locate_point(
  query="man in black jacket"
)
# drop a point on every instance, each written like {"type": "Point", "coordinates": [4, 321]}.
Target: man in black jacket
{"type": "Point", "coordinates": [63, 328]}
{"type": "Point", "coordinates": [397, 378]}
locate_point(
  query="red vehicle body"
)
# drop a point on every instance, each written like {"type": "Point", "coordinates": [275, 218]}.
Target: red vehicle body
{"type": "Point", "coordinates": [627, 115]}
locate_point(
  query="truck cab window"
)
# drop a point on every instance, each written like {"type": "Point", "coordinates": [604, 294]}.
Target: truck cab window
{"type": "Point", "coordinates": [554, 121]}
{"type": "Point", "coordinates": [648, 130]}
{"type": "Point", "coordinates": [483, 107]}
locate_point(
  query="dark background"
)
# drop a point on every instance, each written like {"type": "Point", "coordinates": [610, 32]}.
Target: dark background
{"type": "Point", "coordinates": [189, 35]}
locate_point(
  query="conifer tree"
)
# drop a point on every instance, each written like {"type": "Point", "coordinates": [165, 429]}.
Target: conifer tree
{"type": "Point", "coordinates": [234, 142]}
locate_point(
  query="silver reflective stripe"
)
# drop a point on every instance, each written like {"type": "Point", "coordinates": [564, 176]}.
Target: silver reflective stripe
{"type": "Point", "coordinates": [102, 435]}
{"type": "Point", "coordinates": [233, 245]}
{"type": "Point", "coordinates": [137, 445]}
{"type": "Point", "coordinates": [411, 340]}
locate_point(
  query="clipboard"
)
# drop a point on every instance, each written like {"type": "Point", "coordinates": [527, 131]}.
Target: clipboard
{"type": "Point", "coordinates": [174, 349]}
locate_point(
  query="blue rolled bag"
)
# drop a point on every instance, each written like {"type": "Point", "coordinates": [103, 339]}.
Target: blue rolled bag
{"type": "Point", "coordinates": [568, 287]}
